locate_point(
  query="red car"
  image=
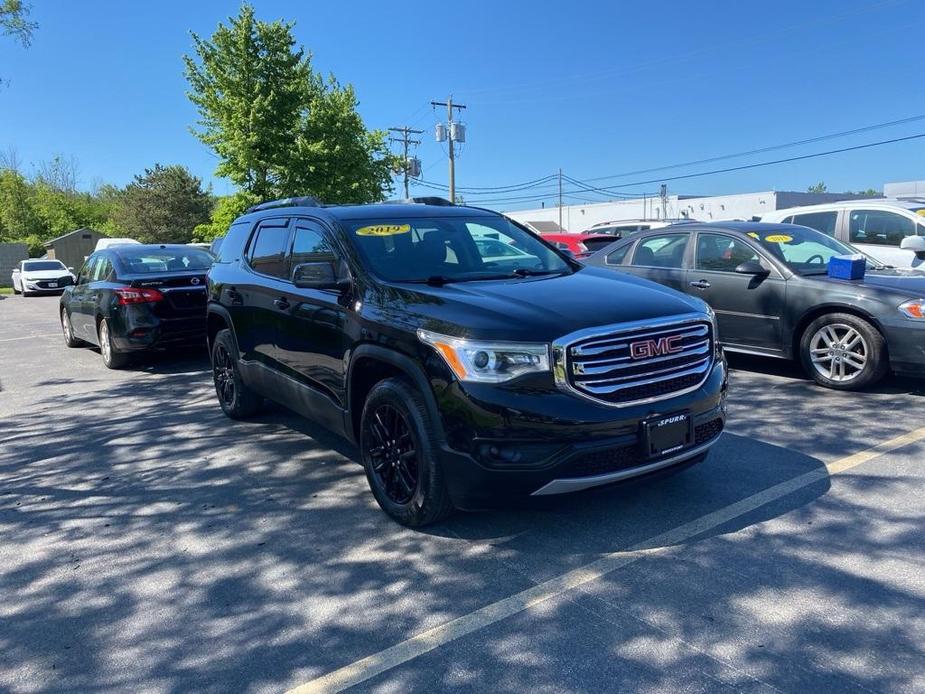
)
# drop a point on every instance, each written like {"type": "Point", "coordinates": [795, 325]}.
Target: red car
{"type": "Point", "coordinates": [579, 245]}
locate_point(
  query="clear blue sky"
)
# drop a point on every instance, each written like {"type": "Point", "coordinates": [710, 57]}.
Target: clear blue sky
{"type": "Point", "coordinates": [596, 88]}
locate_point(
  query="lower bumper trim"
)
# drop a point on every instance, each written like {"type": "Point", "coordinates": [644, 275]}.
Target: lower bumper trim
{"type": "Point", "coordinates": [576, 484]}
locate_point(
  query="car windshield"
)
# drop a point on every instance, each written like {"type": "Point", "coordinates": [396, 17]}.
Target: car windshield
{"type": "Point", "coordinates": [805, 251]}
{"type": "Point", "coordinates": [40, 265]}
{"type": "Point", "coordinates": [452, 249]}
{"type": "Point", "coordinates": [147, 260]}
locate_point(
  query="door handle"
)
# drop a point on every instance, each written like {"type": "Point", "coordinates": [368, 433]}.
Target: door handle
{"type": "Point", "coordinates": [701, 284]}
{"type": "Point", "coordinates": [281, 304]}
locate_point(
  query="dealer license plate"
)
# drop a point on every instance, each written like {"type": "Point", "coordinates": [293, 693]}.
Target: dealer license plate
{"type": "Point", "coordinates": [667, 434]}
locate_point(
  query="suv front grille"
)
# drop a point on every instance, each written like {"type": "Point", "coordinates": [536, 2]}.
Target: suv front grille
{"type": "Point", "coordinates": [625, 364]}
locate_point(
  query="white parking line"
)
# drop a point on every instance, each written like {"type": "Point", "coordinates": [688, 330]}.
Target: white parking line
{"type": "Point", "coordinates": [426, 641]}
{"type": "Point", "coordinates": [28, 337]}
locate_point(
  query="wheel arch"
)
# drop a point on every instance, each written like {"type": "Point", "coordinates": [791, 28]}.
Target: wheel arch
{"type": "Point", "coordinates": [371, 364]}
{"type": "Point", "coordinates": [818, 311]}
{"type": "Point", "coordinates": [218, 318]}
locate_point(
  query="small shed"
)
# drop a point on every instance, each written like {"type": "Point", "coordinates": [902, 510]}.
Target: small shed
{"type": "Point", "coordinates": [73, 247]}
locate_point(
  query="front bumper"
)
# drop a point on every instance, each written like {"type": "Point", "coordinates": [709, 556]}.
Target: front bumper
{"type": "Point", "coordinates": [528, 442]}
{"type": "Point", "coordinates": [906, 345]}
{"type": "Point", "coordinates": [43, 288]}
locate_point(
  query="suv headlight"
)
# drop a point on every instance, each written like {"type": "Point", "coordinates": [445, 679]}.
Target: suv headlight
{"type": "Point", "coordinates": [914, 309]}
{"type": "Point", "coordinates": [488, 362]}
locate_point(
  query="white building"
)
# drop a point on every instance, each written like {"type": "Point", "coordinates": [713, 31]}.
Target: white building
{"type": "Point", "coordinates": [576, 218]}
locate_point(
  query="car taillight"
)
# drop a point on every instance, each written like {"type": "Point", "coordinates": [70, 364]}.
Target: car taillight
{"type": "Point", "coordinates": [131, 295]}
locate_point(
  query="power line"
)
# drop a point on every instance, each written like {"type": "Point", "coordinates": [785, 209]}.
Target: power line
{"type": "Point", "coordinates": [499, 189]}
{"type": "Point", "coordinates": [731, 168]}
{"type": "Point", "coordinates": [762, 150]}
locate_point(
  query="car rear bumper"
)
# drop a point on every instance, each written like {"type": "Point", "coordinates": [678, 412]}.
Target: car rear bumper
{"type": "Point", "coordinates": [570, 455]}
{"type": "Point", "coordinates": [138, 329]}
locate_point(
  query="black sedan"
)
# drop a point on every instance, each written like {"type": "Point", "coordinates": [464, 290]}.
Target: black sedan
{"type": "Point", "coordinates": [134, 298]}
{"type": "Point", "coordinates": [770, 289]}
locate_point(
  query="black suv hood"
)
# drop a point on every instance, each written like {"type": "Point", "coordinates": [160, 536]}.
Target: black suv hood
{"type": "Point", "coordinates": [537, 309]}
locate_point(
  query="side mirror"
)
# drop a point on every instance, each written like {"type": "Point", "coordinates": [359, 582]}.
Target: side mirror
{"type": "Point", "coordinates": [15, 270]}
{"type": "Point", "coordinates": [70, 269]}
{"type": "Point", "coordinates": [315, 276]}
{"type": "Point", "coordinates": [913, 243]}
{"type": "Point", "coordinates": [752, 267]}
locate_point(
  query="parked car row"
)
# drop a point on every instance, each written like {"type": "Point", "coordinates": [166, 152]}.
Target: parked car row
{"type": "Point", "coordinates": [471, 360]}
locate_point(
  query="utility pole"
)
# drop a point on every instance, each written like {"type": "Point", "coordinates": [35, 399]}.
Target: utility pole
{"type": "Point", "coordinates": [412, 166]}
{"type": "Point", "coordinates": [452, 132]}
{"type": "Point", "coordinates": [560, 198]}
{"type": "Point", "coordinates": [663, 193]}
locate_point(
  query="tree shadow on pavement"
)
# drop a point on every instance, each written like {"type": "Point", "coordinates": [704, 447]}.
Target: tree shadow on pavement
{"type": "Point", "coordinates": [151, 543]}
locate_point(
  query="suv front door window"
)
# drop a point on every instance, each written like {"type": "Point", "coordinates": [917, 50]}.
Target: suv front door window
{"type": "Point", "coordinates": [879, 227]}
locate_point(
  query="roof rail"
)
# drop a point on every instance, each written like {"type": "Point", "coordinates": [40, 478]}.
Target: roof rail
{"type": "Point", "coordinates": [426, 200]}
{"type": "Point", "coordinates": [303, 201]}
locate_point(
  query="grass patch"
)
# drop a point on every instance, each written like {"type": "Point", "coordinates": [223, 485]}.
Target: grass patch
{"type": "Point", "coordinates": [6, 290]}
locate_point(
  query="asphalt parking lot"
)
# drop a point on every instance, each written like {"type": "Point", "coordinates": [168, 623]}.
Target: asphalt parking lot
{"type": "Point", "coordinates": [151, 544]}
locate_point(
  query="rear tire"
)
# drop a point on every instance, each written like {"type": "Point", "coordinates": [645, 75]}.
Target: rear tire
{"type": "Point", "coordinates": [844, 352]}
{"type": "Point", "coordinates": [398, 447]}
{"type": "Point", "coordinates": [237, 400]}
{"type": "Point", "coordinates": [68, 330]}
{"type": "Point", "coordinates": [111, 358]}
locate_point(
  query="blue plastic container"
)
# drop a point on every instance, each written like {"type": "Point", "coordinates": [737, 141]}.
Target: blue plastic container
{"type": "Point", "coordinates": [847, 267]}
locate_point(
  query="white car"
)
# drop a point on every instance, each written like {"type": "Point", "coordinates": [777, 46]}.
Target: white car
{"type": "Point", "coordinates": [625, 227]}
{"type": "Point", "coordinates": [110, 242]}
{"type": "Point", "coordinates": [41, 277]}
{"type": "Point", "coordinates": [892, 231]}
{"type": "Point", "coordinates": [497, 251]}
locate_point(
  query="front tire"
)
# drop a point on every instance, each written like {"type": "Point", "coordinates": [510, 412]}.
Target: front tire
{"type": "Point", "coordinates": [111, 358]}
{"type": "Point", "coordinates": [399, 451]}
{"type": "Point", "coordinates": [237, 400]}
{"type": "Point", "coordinates": [843, 352]}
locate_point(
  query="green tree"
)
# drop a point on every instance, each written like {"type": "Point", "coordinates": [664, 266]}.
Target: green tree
{"type": "Point", "coordinates": [817, 188]}
{"type": "Point", "coordinates": [226, 210]}
{"type": "Point", "coordinates": [18, 215]}
{"type": "Point", "coordinates": [278, 128]}
{"type": "Point", "coordinates": [334, 156]}
{"type": "Point", "coordinates": [250, 86]}
{"type": "Point", "coordinates": [14, 21]}
{"type": "Point", "coordinates": [162, 205]}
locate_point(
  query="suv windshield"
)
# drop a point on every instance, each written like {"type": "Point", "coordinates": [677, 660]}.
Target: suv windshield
{"type": "Point", "coordinates": [38, 266]}
{"type": "Point", "coordinates": [452, 249]}
{"type": "Point", "coordinates": [805, 251]}
{"type": "Point", "coordinates": [143, 260]}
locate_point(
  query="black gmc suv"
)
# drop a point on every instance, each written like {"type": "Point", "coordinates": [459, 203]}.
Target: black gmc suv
{"type": "Point", "coordinates": [465, 369]}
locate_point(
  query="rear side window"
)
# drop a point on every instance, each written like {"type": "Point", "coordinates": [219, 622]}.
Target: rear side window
{"type": "Point", "coordinates": [268, 249]}
{"type": "Point", "coordinates": [666, 251]}
{"type": "Point", "coordinates": [820, 221]}
{"type": "Point", "coordinates": [879, 227]}
{"type": "Point", "coordinates": [229, 248]}
{"type": "Point", "coordinates": [619, 255]}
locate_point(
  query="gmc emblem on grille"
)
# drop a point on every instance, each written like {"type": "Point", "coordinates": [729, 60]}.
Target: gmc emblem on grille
{"type": "Point", "coordinates": [646, 349]}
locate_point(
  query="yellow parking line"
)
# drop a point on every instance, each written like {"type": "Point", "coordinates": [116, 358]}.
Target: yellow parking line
{"type": "Point", "coordinates": [426, 641]}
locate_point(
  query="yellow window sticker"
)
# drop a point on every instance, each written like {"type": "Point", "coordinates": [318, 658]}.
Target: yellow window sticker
{"type": "Point", "coordinates": [753, 235]}
{"type": "Point", "coordinates": [383, 230]}
{"type": "Point", "coordinates": [778, 238]}
{"type": "Point", "coordinates": [921, 213]}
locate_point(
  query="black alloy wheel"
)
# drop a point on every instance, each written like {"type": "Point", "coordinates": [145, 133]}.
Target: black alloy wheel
{"type": "Point", "coordinates": [238, 401]}
{"type": "Point", "coordinates": [401, 454]}
{"type": "Point", "coordinates": [394, 455]}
